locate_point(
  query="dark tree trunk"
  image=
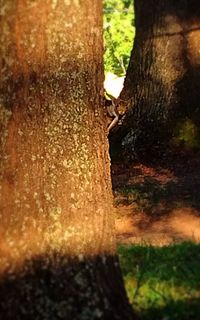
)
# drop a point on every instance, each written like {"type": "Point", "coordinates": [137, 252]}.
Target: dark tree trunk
{"type": "Point", "coordinates": [162, 84]}
{"type": "Point", "coordinates": [57, 243]}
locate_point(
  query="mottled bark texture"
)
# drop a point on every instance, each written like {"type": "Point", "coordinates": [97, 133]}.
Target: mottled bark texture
{"type": "Point", "coordinates": [57, 244]}
{"type": "Point", "coordinates": [162, 85]}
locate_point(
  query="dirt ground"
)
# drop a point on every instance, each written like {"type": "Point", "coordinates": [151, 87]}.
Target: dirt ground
{"type": "Point", "coordinates": [158, 203]}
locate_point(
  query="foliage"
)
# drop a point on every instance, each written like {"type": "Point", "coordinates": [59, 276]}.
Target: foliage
{"type": "Point", "coordinates": [118, 34]}
{"type": "Point", "coordinates": [163, 282]}
{"type": "Point", "coordinates": [187, 133]}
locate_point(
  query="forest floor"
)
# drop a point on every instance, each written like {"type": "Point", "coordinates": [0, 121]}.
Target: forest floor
{"type": "Point", "coordinates": [158, 202]}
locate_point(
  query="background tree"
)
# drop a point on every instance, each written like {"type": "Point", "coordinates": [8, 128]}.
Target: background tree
{"type": "Point", "coordinates": [57, 244]}
{"type": "Point", "coordinates": [162, 85]}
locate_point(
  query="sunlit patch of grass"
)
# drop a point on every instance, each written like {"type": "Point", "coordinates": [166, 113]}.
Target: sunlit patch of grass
{"type": "Point", "coordinates": [163, 282]}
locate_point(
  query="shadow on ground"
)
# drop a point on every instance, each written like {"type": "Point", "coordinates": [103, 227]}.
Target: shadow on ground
{"type": "Point", "coordinates": [158, 199]}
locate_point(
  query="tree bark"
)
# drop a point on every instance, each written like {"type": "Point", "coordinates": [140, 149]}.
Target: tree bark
{"type": "Point", "coordinates": [57, 243]}
{"type": "Point", "coordinates": [163, 77]}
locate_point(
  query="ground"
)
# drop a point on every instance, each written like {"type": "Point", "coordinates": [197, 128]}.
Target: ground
{"type": "Point", "coordinates": [158, 202]}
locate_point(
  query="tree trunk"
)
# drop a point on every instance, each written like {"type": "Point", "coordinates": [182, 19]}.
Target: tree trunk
{"type": "Point", "coordinates": [162, 84]}
{"type": "Point", "coordinates": [57, 243]}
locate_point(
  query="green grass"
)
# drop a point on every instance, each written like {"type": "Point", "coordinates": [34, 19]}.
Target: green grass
{"type": "Point", "coordinates": [163, 282]}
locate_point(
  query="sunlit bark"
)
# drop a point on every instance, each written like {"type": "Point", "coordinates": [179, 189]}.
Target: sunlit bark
{"type": "Point", "coordinates": [57, 244]}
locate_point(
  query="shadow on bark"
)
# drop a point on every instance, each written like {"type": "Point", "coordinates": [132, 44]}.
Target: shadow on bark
{"type": "Point", "coordinates": [59, 287]}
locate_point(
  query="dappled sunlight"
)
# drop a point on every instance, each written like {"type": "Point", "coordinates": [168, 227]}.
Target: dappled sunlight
{"type": "Point", "coordinates": [193, 40]}
{"type": "Point", "coordinates": [80, 239]}
{"type": "Point", "coordinates": [177, 292]}
{"type": "Point", "coordinates": [158, 203]}
{"type": "Point", "coordinates": [137, 227]}
{"type": "Point", "coordinates": [162, 281]}
{"type": "Point", "coordinates": [186, 222]}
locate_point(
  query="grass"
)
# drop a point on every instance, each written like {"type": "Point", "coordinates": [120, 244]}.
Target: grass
{"type": "Point", "coordinates": [163, 282]}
